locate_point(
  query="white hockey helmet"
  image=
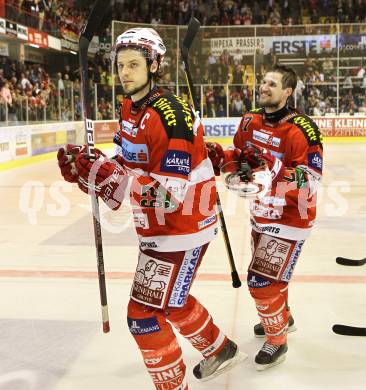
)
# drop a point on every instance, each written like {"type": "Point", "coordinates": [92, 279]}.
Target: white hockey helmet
{"type": "Point", "coordinates": [143, 38]}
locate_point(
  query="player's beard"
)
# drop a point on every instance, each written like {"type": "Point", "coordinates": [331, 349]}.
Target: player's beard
{"type": "Point", "coordinates": [266, 103]}
{"type": "Point", "coordinates": [138, 88]}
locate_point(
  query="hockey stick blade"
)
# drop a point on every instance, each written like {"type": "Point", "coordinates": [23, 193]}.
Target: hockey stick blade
{"type": "Point", "coordinates": [95, 18]}
{"type": "Point", "coordinates": [350, 262]}
{"type": "Point", "coordinates": [193, 28]}
{"type": "Point", "coordinates": [346, 330]}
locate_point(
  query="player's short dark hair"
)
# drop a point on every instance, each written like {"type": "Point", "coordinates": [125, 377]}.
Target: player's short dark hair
{"type": "Point", "coordinates": [289, 76]}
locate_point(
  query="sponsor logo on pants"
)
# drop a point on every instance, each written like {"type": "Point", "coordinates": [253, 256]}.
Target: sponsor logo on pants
{"type": "Point", "coordinates": [273, 325]}
{"type": "Point", "coordinates": [199, 342]}
{"type": "Point", "coordinates": [271, 257]}
{"type": "Point", "coordinates": [152, 281]}
{"type": "Point", "coordinates": [184, 278]}
{"type": "Point", "coordinates": [140, 326]}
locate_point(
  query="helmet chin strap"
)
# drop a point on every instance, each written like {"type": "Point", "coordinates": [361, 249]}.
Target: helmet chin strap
{"type": "Point", "coordinates": [150, 77]}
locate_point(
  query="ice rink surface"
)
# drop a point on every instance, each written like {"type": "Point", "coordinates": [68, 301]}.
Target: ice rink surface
{"type": "Point", "coordinates": [50, 322]}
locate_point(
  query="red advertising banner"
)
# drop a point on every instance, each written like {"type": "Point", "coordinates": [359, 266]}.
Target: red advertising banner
{"type": "Point", "coordinates": [104, 131]}
{"type": "Point", "coordinates": [37, 38]}
{"type": "Point", "coordinates": [333, 126]}
{"type": "Point", "coordinates": [341, 126]}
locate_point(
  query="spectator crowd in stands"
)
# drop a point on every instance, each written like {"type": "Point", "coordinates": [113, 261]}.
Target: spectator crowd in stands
{"type": "Point", "coordinates": [30, 93]}
{"type": "Point", "coordinates": [54, 15]}
{"type": "Point", "coordinates": [51, 16]}
{"type": "Point", "coordinates": [227, 81]}
{"type": "Point", "coordinates": [29, 87]}
{"type": "Point", "coordinates": [241, 12]}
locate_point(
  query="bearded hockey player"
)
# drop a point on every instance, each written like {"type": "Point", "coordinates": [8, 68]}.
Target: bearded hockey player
{"type": "Point", "coordinates": [278, 161]}
{"type": "Point", "coordinates": [161, 162]}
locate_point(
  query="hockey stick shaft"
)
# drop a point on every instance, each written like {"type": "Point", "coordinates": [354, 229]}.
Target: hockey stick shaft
{"type": "Point", "coordinates": [347, 330]}
{"type": "Point", "coordinates": [193, 28]}
{"type": "Point", "coordinates": [350, 262]}
{"type": "Point", "coordinates": [236, 282]}
{"type": "Point", "coordinates": [86, 36]}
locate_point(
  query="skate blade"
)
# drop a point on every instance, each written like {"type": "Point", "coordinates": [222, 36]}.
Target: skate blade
{"type": "Point", "coordinates": [289, 330]}
{"type": "Point", "coordinates": [262, 367]}
{"type": "Point", "coordinates": [227, 366]}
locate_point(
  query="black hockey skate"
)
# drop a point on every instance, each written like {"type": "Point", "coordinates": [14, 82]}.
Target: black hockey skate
{"type": "Point", "coordinates": [270, 355]}
{"type": "Point", "coordinates": [259, 331]}
{"type": "Point", "coordinates": [216, 365]}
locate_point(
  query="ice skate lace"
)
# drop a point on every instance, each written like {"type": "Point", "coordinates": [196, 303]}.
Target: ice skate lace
{"type": "Point", "coordinates": [270, 348]}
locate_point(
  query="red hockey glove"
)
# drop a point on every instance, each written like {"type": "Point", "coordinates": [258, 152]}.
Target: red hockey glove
{"type": "Point", "coordinates": [216, 155]}
{"type": "Point", "coordinates": [66, 161]}
{"type": "Point", "coordinates": [261, 158]}
{"type": "Point", "coordinates": [102, 177]}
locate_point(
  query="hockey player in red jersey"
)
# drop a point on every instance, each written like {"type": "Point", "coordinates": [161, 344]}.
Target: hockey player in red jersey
{"type": "Point", "coordinates": [278, 161]}
{"type": "Point", "coordinates": [161, 162]}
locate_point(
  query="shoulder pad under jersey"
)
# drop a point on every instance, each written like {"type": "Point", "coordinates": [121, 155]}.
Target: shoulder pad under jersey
{"type": "Point", "coordinates": [309, 128]}
{"type": "Point", "coordinates": [176, 116]}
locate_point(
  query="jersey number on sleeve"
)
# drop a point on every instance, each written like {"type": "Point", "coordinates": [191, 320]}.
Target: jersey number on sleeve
{"type": "Point", "coordinates": [245, 122]}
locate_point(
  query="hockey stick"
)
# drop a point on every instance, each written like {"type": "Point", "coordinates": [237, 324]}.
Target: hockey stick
{"type": "Point", "coordinates": [347, 330]}
{"type": "Point", "coordinates": [351, 262]}
{"type": "Point", "coordinates": [89, 30]}
{"type": "Point", "coordinates": [193, 28]}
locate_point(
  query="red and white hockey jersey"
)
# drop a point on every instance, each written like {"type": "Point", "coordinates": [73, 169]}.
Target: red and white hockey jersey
{"type": "Point", "coordinates": [173, 195]}
{"type": "Point", "coordinates": [288, 210]}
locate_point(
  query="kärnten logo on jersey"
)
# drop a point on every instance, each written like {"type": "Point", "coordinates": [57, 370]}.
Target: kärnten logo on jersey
{"type": "Point", "coordinates": [176, 161]}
